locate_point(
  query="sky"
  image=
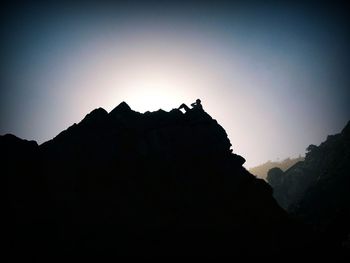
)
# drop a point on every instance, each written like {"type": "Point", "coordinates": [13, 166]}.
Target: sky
{"type": "Point", "coordinates": [274, 74]}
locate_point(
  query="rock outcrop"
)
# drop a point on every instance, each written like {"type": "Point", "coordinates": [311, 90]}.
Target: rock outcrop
{"type": "Point", "coordinates": [130, 183]}
{"type": "Point", "coordinates": [262, 170]}
{"type": "Point", "coordinates": [317, 189]}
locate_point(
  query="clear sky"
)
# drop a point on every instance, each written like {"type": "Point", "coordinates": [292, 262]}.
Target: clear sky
{"type": "Point", "coordinates": [274, 74]}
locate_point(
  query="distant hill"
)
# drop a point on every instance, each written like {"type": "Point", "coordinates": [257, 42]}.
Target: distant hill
{"type": "Point", "coordinates": [261, 170]}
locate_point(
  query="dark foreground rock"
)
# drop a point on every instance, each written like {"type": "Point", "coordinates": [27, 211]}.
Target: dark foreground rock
{"type": "Point", "coordinates": [130, 183]}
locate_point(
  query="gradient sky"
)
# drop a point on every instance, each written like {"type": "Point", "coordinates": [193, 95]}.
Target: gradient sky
{"type": "Point", "coordinates": [274, 75]}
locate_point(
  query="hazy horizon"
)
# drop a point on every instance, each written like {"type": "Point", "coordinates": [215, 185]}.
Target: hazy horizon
{"type": "Point", "coordinates": [274, 75]}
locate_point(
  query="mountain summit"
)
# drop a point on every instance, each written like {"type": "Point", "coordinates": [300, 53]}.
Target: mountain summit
{"type": "Point", "coordinates": [153, 183]}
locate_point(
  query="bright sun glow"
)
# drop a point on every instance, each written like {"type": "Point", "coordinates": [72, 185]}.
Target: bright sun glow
{"type": "Point", "coordinates": [152, 95]}
{"type": "Point", "coordinates": [147, 78]}
{"type": "Point", "coordinates": [152, 90]}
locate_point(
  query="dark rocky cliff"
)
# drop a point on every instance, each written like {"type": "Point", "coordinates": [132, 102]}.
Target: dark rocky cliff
{"type": "Point", "coordinates": [317, 190]}
{"type": "Point", "coordinates": [131, 183]}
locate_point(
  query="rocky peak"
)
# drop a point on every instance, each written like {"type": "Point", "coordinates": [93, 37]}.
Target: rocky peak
{"type": "Point", "coordinates": [158, 182]}
{"type": "Point", "coordinates": [123, 107]}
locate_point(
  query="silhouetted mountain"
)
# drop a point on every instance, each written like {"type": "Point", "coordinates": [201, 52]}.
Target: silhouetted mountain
{"type": "Point", "coordinates": [317, 189]}
{"type": "Point", "coordinates": [130, 183]}
{"type": "Point", "coordinates": [261, 170]}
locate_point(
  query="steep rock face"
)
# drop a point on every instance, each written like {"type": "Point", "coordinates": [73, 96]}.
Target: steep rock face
{"type": "Point", "coordinates": [317, 189]}
{"type": "Point", "coordinates": [289, 187]}
{"type": "Point", "coordinates": [158, 182]}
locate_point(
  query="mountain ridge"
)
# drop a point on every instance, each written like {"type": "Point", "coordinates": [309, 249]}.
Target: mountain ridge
{"type": "Point", "coordinates": [158, 182]}
{"type": "Point", "coordinates": [262, 169]}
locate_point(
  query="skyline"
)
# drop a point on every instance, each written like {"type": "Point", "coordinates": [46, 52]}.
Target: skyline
{"type": "Point", "coordinates": [273, 75]}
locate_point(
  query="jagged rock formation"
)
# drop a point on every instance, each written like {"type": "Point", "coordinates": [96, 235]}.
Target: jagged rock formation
{"type": "Point", "coordinates": [289, 186]}
{"type": "Point", "coordinates": [261, 170]}
{"type": "Point", "coordinates": [153, 183]}
{"type": "Point", "coordinates": [317, 189]}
